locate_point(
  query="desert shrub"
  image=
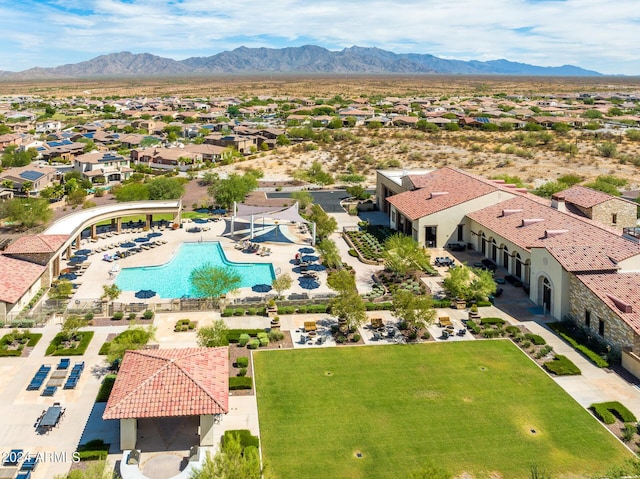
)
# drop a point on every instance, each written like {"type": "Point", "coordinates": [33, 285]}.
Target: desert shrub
{"type": "Point", "coordinates": [562, 366]}
{"type": "Point", "coordinates": [490, 333]}
{"type": "Point", "coordinates": [242, 361]}
{"type": "Point", "coordinates": [275, 335]}
{"type": "Point", "coordinates": [355, 338]}
{"type": "Point", "coordinates": [628, 432]}
{"type": "Point", "coordinates": [243, 340]}
{"type": "Point", "coordinates": [118, 315]}
{"type": "Point", "coordinates": [242, 372]}
{"type": "Point", "coordinates": [535, 339]}
{"type": "Point", "coordinates": [240, 382]}
{"type": "Point", "coordinates": [512, 330]}
{"type": "Point", "coordinates": [544, 351]}
{"type": "Point", "coordinates": [253, 344]}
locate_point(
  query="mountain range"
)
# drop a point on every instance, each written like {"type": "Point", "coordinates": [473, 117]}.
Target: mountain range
{"type": "Point", "coordinates": [309, 59]}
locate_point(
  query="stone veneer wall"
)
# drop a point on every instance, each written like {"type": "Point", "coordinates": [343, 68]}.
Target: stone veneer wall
{"type": "Point", "coordinates": [616, 332]}
{"type": "Point", "coordinates": [626, 212]}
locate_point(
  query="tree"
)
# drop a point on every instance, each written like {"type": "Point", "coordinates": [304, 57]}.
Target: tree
{"type": "Point", "coordinates": [349, 307]}
{"type": "Point", "coordinates": [415, 310]}
{"type": "Point", "coordinates": [424, 125]}
{"type": "Point", "coordinates": [342, 281]}
{"type": "Point", "coordinates": [209, 178]}
{"type": "Point", "coordinates": [330, 254]}
{"type": "Point", "coordinates": [61, 289]}
{"type": "Point", "coordinates": [164, 188]}
{"type": "Point", "coordinates": [131, 192]}
{"type": "Point", "coordinates": [110, 292]}
{"type": "Point", "coordinates": [231, 462]}
{"type": "Point", "coordinates": [561, 128]}
{"type": "Point", "coordinates": [135, 337]}
{"type": "Point", "coordinates": [325, 224]}
{"type": "Point", "coordinates": [592, 114]}
{"type": "Point", "coordinates": [457, 282]}
{"type": "Point", "coordinates": [76, 197]}
{"type": "Point", "coordinates": [28, 212]}
{"type": "Point", "coordinates": [72, 325]}
{"type": "Point", "coordinates": [233, 188]}
{"type": "Point", "coordinates": [281, 283]}
{"type": "Point", "coordinates": [282, 140]}
{"type": "Point", "coordinates": [149, 141]}
{"type": "Point", "coordinates": [213, 281]}
{"type": "Point", "coordinates": [14, 156]}
{"type": "Point", "coordinates": [402, 254]}
{"type": "Point", "coordinates": [213, 336]}
{"type": "Point", "coordinates": [303, 197]}
{"type": "Point", "coordinates": [549, 188]}
{"type": "Point", "coordinates": [53, 192]}
{"type": "Point", "coordinates": [469, 283]}
{"type": "Point", "coordinates": [358, 192]}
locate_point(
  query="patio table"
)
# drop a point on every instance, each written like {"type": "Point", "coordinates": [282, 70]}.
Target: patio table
{"type": "Point", "coordinates": [51, 417]}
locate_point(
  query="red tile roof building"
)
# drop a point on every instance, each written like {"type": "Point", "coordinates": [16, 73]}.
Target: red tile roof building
{"type": "Point", "coordinates": [170, 382]}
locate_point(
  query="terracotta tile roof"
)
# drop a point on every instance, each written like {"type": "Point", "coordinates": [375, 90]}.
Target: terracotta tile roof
{"type": "Point", "coordinates": [460, 187]}
{"type": "Point", "coordinates": [620, 292]}
{"type": "Point", "coordinates": [583, 196]}
{"type": "Point", "coordinates": [586, 258]}
{"type": "Point", "coordinates": [575, 232]}
{"type": "Point", "coordinates": [37, 244]}
{"type": "Point", "coordinates": [16, 277]}
{"type": "Point", "coordinates": [170, 382]}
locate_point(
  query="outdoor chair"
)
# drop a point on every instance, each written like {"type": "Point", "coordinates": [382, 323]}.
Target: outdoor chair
{"type": "Point", "coordinates": [29, 464]}
{"type": "Point", "coordinates": [64, 363]}
{"type": "Point", "coordinates": [49, 390]}
{"type": "Point", "coordinates": [377, 336]}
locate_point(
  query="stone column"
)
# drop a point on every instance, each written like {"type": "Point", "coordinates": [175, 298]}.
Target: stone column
{"type": "Point", "coordinates": [94, 231]}
{"type": "Point", "coordinates": [128, 433]}
{"type": "Point", "coordinates": [119, 224]}
{"type": "Point", "coordinates": [149, 221]}
{"type": "Point", "coordinates": [78, 242]}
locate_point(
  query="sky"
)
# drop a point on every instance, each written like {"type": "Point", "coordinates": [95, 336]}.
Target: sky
{"type": "Point", "coordinates": [599, 35]}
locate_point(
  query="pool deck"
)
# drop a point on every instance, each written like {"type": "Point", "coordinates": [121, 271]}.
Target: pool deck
{"type": "Point", "coordinates": [281, 257]}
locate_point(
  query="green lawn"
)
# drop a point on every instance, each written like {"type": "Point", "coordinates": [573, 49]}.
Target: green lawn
{"type": "Point", "coordinates": [466, 406]}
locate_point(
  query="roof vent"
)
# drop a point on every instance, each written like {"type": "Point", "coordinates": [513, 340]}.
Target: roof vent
{"type": "Point", "coordinates": [522, 190]}
{"type": "Point", "coordinates": [500, 182]}
{"type": "Point", "coordinates": [510, 185]}
{"type": "Point", "coordinates": [511, 212]}
{"type": "Point", "coordinates": [621, 305]}
{"type": "Point", "coordinates": [435, 194]}
{"type": "Point", "coordinates": [530, 221]}
{"type": "Point", "coordinates": [554, 233]}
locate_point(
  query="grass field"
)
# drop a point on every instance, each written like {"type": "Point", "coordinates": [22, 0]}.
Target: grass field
{"type": "Point", "coordinates": [467, 406]}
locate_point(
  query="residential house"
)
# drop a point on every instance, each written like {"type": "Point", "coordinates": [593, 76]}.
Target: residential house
{"type": "Point", "coordinates": [167, 158]}
{"type": "Point", "coordinates": [37, 176]}
{"type": "Point", "coordinates": [103, 167]}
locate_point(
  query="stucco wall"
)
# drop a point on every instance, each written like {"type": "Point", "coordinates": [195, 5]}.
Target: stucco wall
{"type": "Point", "coordinates": [616, 332]}
{"type": "Point", "coordinates": [543, 264]}
{"type": "Point", "coordinates": [630, 265]}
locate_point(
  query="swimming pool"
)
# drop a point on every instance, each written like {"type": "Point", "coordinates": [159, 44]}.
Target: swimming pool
{"type": "Point", "coordinates": [171, 280]}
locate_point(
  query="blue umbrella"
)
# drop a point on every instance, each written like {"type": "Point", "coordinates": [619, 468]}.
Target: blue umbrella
{"type": "Point", "coordinates": [316, 267]}
{"type": "Point", "coordinates": [145, 294]}
{"type": "Point", "coordinates": [200, 220]}
{"type": "Point", "coordinates": [69, 276]}
{"type": "Point", "coordinates": [219, 211]}
{"type": "Point", "coordinates": [261, 288]}
{"type": "Point", "coordinates": [308, 283]}
{"type": "Point", "coordinates": [141, 240]}
{"type": "Point", "coordinates": [309, 259]}
{"type": "Point", "coordinates": [83, 252]}
{"type": "Point", "coordinates": [307, 250]}
{"type": "Point", "coordinates": [78, 259]}
{"type": "Point", "coordinates": [155, 234]}
{"type": "Point", "coordinates": [128, 244]}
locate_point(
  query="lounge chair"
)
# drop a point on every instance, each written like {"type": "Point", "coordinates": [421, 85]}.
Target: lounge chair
{"type": "Point", "coordinates": [64, 363]}
{"type": "Point", "coordinates": [49, 390]}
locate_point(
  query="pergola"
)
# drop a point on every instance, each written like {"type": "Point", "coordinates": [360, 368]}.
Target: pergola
{"type": "Point", "coordinates": [256, 213]}
{"type": "Point", "coordinates": [161, 383]}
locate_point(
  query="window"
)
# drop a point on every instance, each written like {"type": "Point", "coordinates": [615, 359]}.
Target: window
{"type": "Point", "coordinates": [431, 236]}
{"type": "Point", "coordinates": [614, 219]}
{"type": "Point", "coordinates": [601, 327]}
{"type": "Point", "coordinates": [460, 232]}
{"type": "Point", "coordinates": [587, 318]}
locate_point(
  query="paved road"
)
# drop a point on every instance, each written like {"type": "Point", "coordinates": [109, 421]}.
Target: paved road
{"type": "Point", "coordinates": [328, 199]}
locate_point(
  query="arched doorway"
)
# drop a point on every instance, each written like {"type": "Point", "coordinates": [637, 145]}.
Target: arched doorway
{"type": "Point", "coordinates": [546, 290]}
{"type": "Point", "coordinates": [518, 268]}
{"type": "Point", "coordinates": [483, 244]}
{"type": "Point", "coordinates": [505, 257]}
{"type": "Point", "coordinates": [494, 250]}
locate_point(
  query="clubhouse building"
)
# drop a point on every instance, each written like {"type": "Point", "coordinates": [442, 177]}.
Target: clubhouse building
{"type": "Point", "coordinates": [578, 254]}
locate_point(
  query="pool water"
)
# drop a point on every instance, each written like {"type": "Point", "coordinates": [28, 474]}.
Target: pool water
{"type": "Point", "coordinates": [171, 280]}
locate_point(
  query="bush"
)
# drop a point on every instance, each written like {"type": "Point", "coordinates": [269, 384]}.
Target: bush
{"type": "Point", "coordinates": [244, 436]}
{"type": "Point", "coordinates": [562, 366]}
{"type": "Point", "coordinates": [242, 361]}
{"type": "Point", "coordinates": [244, 340]}
{"type": "Point", "coordinates": [242, 372]}
{"type": "Point", "coordinates": [535, 339]}
{"type": "Point", "coordinates": [104, 349]}
{"type": "Point", "coordinates": [233, 335]}
{"type": "Point", "coordinates": [353, 252]}
{"type": "Point", "coordinates": [544, 351]}
{"type": "Point", "coordinates": [88, 316]}
{"type": "Point", "coordinates": [355, 338]}
{"type": "Point", "coordinates": [581, 348]}
{"type": "Point", "coordinates": [628, 432]}
{"type": "Point", "coordinates": [253, 344]}
{"type": "Point", "coordinates": [55, 348]}
{"type": "Point", "coordinates": [490, 333]}
{"type": "Point", "coordinates": [475, 328]}
{"type": "Point", "coordinates": [227, 312]}
{"type": "Point", "coordinates": [425, 335]}
{"type": "Point", "coordinates": [118, 315]}
{"type": "Point", "coordinates": [608, 411]}
{"type": "Point", "coordinates": [240, 382]}
{"type": "Point", "coordinates": [93, 450]}
{"type": "Point", "coordinates": [105, 388]}
{"type": "Point", "coordinates": [341, 339]}
{"type": "Point", "coordinates": [512, 330]}
{"type": "Point", "coordinates": [252, 311]}
{"type": "Point", "coordinates": [132, 316]}
{"type": "Point", "coordinates": [483, 304]}
{"type": "Point", "coordinates": [264, 341]}
{"type": "Point", "coordinates": [275, 335]}
{"type": "Point", "coordinates": [302, 309]}
{"type": "Point", "coordinates": [23, 323]}
{"type": "Point", "coordinates": [239, 312]}
{"type": "Point", "coordinates": [492, 321]}
{"type": "Point", "coordinates": [148, 314]}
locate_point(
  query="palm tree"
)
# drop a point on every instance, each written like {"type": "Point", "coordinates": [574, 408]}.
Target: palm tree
{"type": "Point", "coordinates": [402, 254]}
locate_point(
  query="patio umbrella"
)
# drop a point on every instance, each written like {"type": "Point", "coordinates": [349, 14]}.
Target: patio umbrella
{"type": "Point", "coordinates": [316, 267]}
{"type": "Point", "coordinates": [78, 259]}
{"type": "Point", "coordinates": [145, 294]}
{"type": "Point", "coordinates": [261, 288]}
{"type": "Point", "coordinates": [128, 244]}
{"type": "Point", "coordinates": [200, 220]}
{"type": "Point", "coordinates": [307, 250]}
{"type": "Point", "coordinates": [155, 234]}
{"type": "Point", "coordinates": [308, 283]}
{"type": "Point", "coordinates": [219, 211]}
{"type": "Point", "coordinates": [83, 252]}
{"type": "Point", "coordinates": [309, 258]}
{"type": "Point", "coordinates": [69, 276]}
{"type": "Point", "coordinates": [141, 240]}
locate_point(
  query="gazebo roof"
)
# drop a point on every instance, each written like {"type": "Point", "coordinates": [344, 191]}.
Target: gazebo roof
{"type": "Point", "coordinates": [169, 383]}
{"type": "Point", "coordinates": [289, 213]}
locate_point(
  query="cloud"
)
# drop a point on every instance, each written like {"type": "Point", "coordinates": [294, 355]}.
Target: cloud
{"type": "Point", "coordinates": [593, 34]}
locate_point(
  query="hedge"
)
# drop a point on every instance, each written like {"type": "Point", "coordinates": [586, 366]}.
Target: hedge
{"type": "Point", "coordinates": [23, 323]}
{"type": "Point", "coordinates": [535, 339]}
{"type": "Point", "coordinates": [492, 321]}
{"type": "Point", "coordinates": [105, 388]}
{"type": "Point", "coordinates": [104, 349]}
{"type": "Point", "coordinates": [32, 340]}
{"type": "Point", "coordinates": [473, 327]}
{"type": "Point", "coordinates": [93, 450]}
{"type": "Point", "coordinates": [240, 382]}
{"type": "Point", "coordinates": [85, 339]}
{"type": "Point", "coordinates": [581, 348]}
{"type": "Point", "coordinates": [562, 366]}
{"type": "Point", "coordinates": [244, 436]}
{"type": "Point", "coordinates": [441, 303]}
{"type": "Point", "coordinates": [608, 411]}
{"type": "Point", "coordinates": [233, 335]}
{"type": "Point", "coordinates": [242, 362]}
